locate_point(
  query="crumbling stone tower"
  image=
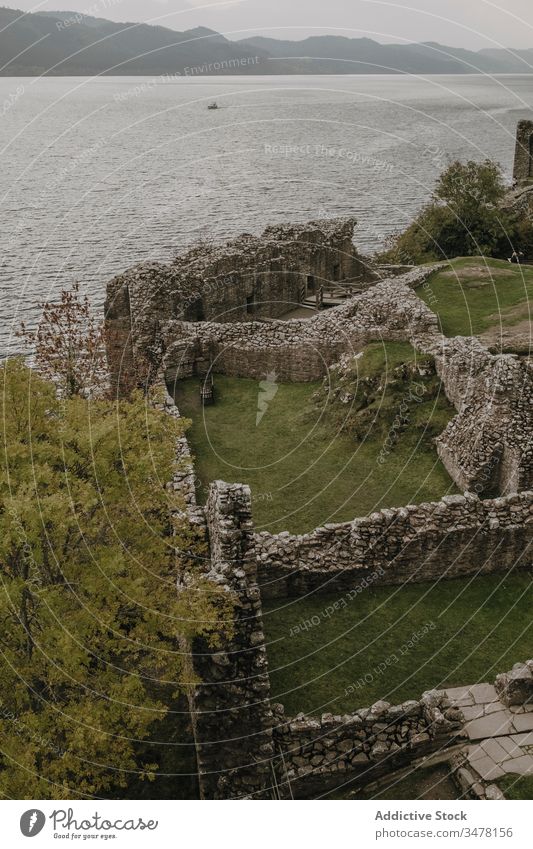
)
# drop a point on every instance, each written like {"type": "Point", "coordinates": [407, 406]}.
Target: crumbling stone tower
{"type": "Point", "coordinates": [523, 160]}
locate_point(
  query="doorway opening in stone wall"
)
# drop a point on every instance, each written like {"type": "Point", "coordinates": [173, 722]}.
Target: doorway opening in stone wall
{"type": "Point", "coordinates": [199, 310]}
{"type": "Point", "coordinates": [250, 304]}
{"type": "Point", "coordinates": [311, 287]}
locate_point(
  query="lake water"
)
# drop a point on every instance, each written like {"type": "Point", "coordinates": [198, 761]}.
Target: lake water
{"type": "Point", "coordinates": [99, 174]}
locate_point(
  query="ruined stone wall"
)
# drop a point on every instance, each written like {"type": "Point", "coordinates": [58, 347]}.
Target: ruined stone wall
{"type": "Point", "coordinates": [301, 349]}
{"type": "Point", "coordinates": [487, 447]}
{"type": "Point", "coordinates": [119, 345]}
{"type": "Point", "coordinates": [188, 316]}
{"type": "Point", "coordinates": [184, 479]}
{"type": "Point", "coordinates": [158, 320]}
{"type": "Point", "coordinates": [321, 753]}
{"type": "Point", "coordinates": [229, 706]}
{"type": "Point", "coordinates": [277, 347]}
{"type": "Point", "coordinates": [231, 711]}
{"type": "Point", "coordinates": [263, 276]}
{"type": "Point", "coordinates": [457, 536]}
{"type": "Point", "coordinates": [247, 748]}
{"type": "Point", "coordinates": [523, 161]}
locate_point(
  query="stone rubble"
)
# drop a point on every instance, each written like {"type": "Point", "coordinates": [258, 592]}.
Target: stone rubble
{"type": "Point", "coordinates": [516, 687]}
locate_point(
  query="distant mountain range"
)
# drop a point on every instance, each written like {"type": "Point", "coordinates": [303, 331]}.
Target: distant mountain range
{"type": "Point", "coordinates": [69, 43]}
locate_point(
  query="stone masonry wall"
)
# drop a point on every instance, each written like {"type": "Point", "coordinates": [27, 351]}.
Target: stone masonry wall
{"type": "Point", "coordinates": [301, 349]}
{"type": "Point", "coordinates": [488, 446]}
{"type": "Point", "coordinates": [229, 706]}
{"type": "Point", "coordinates": [160, 320]}
{"type": "Point", "coordinates": [523, 162]}
{"type": "Point", "coordinates": [190, 316]}
{"type": "Point", "coordinates": [231, 712]}
{"type": "Point", "coordinates": [247, 748]}
{"type": "Point", "coordinates": [263, 276]}
{"type": "Point", "coordinates": [459, 535]}
{"type": "Point", "coordinates": [321, 753]}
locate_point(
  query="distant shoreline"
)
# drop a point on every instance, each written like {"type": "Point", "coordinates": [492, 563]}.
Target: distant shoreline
{"type": "Point", "coordinates": [251, 77]}
{"type": "Point", "coordinates": [62, 44]}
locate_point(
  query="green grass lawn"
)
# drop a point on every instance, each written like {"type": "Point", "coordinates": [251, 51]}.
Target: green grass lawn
{"type": "Point", "coordinates": [517, 787]}
{"type": "Point", "coordinates": [469, 631]}
{"type": "Point", "coordinates": [434, 782]}
{"type": "Point", "coordinates": [477, 294]}
{"type": "Point", "coordinates": [304, 465]}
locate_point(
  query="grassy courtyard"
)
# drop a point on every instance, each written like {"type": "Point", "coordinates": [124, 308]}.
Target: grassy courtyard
{"type": "Point", "coordinates": [310, 459]}
{"type": "Point", "coordinates": [477, 296]}
{"type": "Point", "coordinates": [393, 643]}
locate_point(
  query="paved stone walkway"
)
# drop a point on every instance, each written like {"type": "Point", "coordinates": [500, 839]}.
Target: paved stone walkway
{"type": "Point", "coordinates": [501, 737]}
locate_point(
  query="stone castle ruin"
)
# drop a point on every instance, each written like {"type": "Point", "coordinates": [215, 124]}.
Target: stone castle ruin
{"type": "Point", "coordinates": [520, 198]}
{"type": "Point", "coordinates": [250, 278]}
{"type": "Point", "coordinates": [218, 310]}
{"type": "Point", "coordinates": [224, 309]}
{"type": "Point", "coordinates": [523, 162]}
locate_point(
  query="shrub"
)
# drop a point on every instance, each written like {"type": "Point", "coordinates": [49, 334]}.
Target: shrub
{"type": "Point", "coordinates": [465, 217]}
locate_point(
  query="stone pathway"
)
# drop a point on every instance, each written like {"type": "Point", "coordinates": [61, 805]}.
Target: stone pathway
{"type": "Point", "coordinates": [501, 737]}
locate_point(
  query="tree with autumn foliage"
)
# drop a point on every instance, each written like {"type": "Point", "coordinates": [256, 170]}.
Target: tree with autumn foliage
{"type": "Point", "coordinates": [68, 345]}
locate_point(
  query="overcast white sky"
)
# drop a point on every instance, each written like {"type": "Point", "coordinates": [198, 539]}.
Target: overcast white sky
{"type": "Point", "coordinates": [463, 23]}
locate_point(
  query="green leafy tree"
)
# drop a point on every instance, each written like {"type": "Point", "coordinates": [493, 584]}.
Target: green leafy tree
{"type": "Point", "coordinates": [90, 659]}
{"type": "Point", "coordinates": [464, 218]}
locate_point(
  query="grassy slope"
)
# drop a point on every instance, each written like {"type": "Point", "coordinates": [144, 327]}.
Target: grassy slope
{"type": "Point", "coordinates": [469, 303]}
{"type": "Point", "coordinates": [302, 469]}
{"type": "Point", "coordinates": [482, 626]}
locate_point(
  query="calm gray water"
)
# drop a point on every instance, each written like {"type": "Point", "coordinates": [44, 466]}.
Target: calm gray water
{"type": "Point", "coordinates": [98, 174]}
